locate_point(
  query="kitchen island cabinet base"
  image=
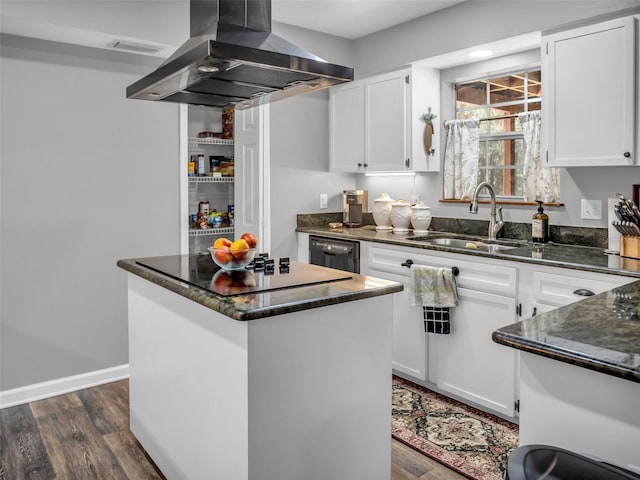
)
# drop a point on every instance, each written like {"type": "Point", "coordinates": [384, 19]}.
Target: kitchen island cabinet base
{"type": "Point", "coordinates": [571, 407]}
{"type": "Point", "coordinates": [292, 396]}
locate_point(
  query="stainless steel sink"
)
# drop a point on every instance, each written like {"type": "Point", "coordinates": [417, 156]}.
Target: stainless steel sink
{"type": "Point", "coordinates": [466, 244]}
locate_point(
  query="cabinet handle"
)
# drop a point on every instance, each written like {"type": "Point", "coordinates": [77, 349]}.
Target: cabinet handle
{"type": "Point", "coordinates": [583, 292]}
{"type": "Point", "coordinates": [626, 154]}
{"type": "Point", "coordinates": [407, 162]}
{"type": "Point", "coordinates": [359, 164]}
{"type": "Point", "coordinates": [366, 165]}
{"type": "Point", "coordinates": [535, 311]}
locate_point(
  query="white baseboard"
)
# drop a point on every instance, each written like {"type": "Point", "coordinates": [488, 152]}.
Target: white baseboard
{"type": "Point", "coordinates": [51, 388]}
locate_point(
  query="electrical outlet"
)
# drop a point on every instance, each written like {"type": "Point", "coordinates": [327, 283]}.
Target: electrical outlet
{"type": "Point", "coordinates": [415, 199]}
{"type": "Point", "coordinates": [591, 209]}
{"type": "Point", "coordinates": [324, 200]}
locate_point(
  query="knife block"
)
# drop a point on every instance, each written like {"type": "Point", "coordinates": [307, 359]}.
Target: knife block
{"type": "Point", "coordinates": [630, 246]}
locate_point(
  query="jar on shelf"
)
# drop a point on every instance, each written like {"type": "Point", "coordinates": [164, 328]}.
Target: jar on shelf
{"type": "Point", "coordinates": [400, 216]}
{"type": "Point", "coordinates": [204, 208]}
{"type": "Point", "coordinates": [420, 218]}
{"type": "Point", "coordinates": [382, 212]}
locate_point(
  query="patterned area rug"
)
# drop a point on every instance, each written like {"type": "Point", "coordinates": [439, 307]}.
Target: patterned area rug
{"type": "Point", "coordinates": [469, 441]}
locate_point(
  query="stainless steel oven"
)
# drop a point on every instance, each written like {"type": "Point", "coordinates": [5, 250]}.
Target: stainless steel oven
{"type": "Point", "coordinates": [332, 253]}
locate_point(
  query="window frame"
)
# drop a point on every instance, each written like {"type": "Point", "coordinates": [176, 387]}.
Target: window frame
{"type": "Point", "coordinates": [488, 107]}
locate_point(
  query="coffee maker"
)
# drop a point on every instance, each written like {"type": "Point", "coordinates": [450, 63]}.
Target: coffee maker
{"type": "Point", "coordinates": [354, 202]}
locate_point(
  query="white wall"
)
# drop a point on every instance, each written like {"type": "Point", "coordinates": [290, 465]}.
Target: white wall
{"type": "Point", "coordinates": [164, 21]}
{"type": "Point", "coordinates": [331, 48]}
{"type": "Point", "coordinates": [88, 177]}
{"type": "Point", "coordinates": [468, 24]}
{"type": "Point", "coordinates": [300, 146]}
{"type": "Point", "coordinates": [300, 167]}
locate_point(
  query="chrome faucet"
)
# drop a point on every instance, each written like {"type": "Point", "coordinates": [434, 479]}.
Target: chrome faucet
{"type": "Point", "coordinates": [495, 221]}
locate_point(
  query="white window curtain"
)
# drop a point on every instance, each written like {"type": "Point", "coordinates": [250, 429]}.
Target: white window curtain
{"type": "Point", "coordinates": [461, 153]}
{"type": "Point", "coordinates": [540, 183]}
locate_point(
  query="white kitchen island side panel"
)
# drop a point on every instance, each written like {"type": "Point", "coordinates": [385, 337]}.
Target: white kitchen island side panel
{"type": "Point", "coordinates": [187, 384]}
{"type": "Point", "coordinates": [582, 410]}
{"type": "Point", "coordinates": [299, 395]}
{"type": "Point", "coordinates": [320, 393]}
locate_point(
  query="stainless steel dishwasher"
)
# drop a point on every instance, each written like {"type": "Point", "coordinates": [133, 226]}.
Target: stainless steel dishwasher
{"type": "Point", "coordinates": [332, 253]}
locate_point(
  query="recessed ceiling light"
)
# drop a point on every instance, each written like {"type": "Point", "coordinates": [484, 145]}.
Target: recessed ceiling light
{"type": "Point", "coordinates": [480, 53]}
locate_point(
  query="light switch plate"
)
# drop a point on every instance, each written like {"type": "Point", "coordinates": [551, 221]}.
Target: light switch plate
{"type": "Point", "coordinates": [324, 201]}
{"type": "Point", "coordinates": [590, 209]}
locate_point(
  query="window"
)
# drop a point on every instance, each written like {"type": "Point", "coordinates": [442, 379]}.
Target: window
{"type": "Point", "coordinates": [496, 101]}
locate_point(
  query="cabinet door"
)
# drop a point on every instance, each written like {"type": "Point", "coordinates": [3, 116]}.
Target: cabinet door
{"type": "Point", "coordinates": [346, 120]}
{"type": "Point", "coordinates": [252, 192]}
{"type": "Point", "coordinates": [552, 287]}
{"type": "Point", "coordinates": [589, 93]}
{"type": "Point", "coordinates": [409, 339]}
{"type": "Point", "coordinates": [386, 102]}
{"type": "Point", "coordinates": [469, 363]}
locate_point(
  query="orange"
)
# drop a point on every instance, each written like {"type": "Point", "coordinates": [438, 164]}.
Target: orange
{"type": "Point", "coordinates": [239, 249]}
{"type": "Point", "coordinates": [221, 242]}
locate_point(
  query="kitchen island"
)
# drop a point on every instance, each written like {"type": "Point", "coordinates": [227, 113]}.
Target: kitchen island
{"type": "Point", "coordinates": [580, 376]}
{"type": "Point", "coordinates": [285, 383]}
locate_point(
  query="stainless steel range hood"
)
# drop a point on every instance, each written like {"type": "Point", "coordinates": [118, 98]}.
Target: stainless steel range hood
{"type": "Point", "coordinates": [232, 58]}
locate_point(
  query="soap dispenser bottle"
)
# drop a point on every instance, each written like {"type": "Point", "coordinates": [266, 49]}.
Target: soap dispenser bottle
{"type": "Point", "coordinates": [540, 225]}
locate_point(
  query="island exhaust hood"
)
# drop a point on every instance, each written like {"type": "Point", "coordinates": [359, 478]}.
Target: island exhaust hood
{"type": "Point", "coordinates": [232, 58]}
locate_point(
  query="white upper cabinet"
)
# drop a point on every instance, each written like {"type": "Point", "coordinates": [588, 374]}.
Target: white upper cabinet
{"type": "Point", "coordinates": [346, 135]}
{"type": "Point", "coordinates": [376, 125]}
{"type": "Point", "coordinates": [387, 102]}
{"type": "Point", "coordinates": [590, 89]}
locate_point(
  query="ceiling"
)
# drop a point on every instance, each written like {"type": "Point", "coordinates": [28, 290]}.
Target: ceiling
{"type": "Point", "coordinates": [353, 18]}
{"type": "Point", "coordinates": [344, 18]}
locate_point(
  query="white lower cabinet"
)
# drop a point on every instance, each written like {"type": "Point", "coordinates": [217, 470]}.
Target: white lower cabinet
{"type": "Point", "coordinates": [466, 363]}
{"type": "Point", "coordinates": [542, 289]}
{"type": "Point", "coordinates": [409, 340]}
{"type": "Point", "coordinates": [469, 364]}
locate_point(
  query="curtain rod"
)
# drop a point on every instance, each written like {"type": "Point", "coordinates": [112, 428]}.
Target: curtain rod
{"type": "Point", "coordinates": [503, 117]}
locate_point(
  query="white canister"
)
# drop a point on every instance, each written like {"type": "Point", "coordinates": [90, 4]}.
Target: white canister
{"type": "Point", "coordinates": [400, 216]}
{"type": "Point", "coordinates": [420, 218]}
{"type": "Point", "coordinates": [382, 212]}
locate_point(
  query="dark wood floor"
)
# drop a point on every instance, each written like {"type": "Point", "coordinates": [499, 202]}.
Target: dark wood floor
{"type": "Point", "coordinates": [85, 435]}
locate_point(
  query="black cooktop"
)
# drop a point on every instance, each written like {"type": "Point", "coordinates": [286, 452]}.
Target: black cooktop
{"type": "Point", "coordinates": [200, 270]}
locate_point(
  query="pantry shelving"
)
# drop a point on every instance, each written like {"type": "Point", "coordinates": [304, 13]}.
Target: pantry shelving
{"type": "Point", "coordinates": [197, 232]}
{"type": "Point", "coordinates": [211, 185]}
{"type": "Point", "coordinates": [210, 141]}
{"type": "Point", "coordinates": [211, 179]}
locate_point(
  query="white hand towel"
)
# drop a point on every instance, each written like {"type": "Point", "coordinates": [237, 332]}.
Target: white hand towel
{"type": "Point", "coordinates": [432, 286]}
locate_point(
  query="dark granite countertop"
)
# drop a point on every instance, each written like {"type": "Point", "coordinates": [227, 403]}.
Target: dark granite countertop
{"type": "Point", "coordinates": [260, 305]}
{"type": "Point", "coordinates": [601, 333]}
{"type": "Point", "coordinates": [574, 257]}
